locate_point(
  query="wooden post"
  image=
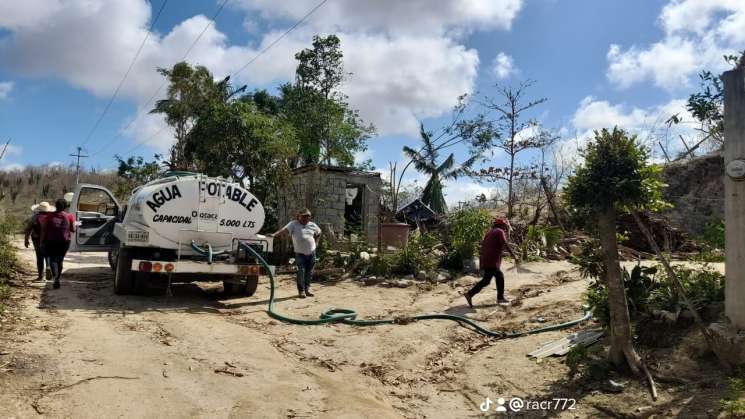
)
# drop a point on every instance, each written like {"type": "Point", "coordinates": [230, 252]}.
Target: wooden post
{"type": "Point", "coordinates": [734, 192]}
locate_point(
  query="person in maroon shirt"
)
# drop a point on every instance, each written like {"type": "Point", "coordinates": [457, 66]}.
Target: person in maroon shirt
{"type": "Point", "coordinates": [492, 247]}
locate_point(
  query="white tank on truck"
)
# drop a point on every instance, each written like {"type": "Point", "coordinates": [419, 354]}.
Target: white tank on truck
{"type": "Point", "coordinates": [182, 227]}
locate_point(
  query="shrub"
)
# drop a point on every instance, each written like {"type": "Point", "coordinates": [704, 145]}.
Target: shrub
{"type": "Point", "coordinates": [416, 256]}
{"type": "Point", "coordinates": [587, 362]}
{"type": "Point", "coordinates": [538, 241]}
{"type": "Point", "coordinates": [713, 234]}
{"type": "Point", "coordinates": [702, 286]}
{"type": "Point", "coordinates": [8, 260]}
{"type": "Point", "coordinates": [734, 404]}
{"type": "Point", "coordinates": [640, 283]}
{"type": "Point", "coordinates": [467, 229]}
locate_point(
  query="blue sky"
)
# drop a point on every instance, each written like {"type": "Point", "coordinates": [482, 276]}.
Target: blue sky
{"type": "Point", "coordinates": [600, 63]}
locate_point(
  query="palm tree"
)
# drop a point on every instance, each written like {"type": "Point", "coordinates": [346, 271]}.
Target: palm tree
{"type": "Point", "coordinates": [191, 90]}
{"type": "Point", "coordinates": [425, 161]}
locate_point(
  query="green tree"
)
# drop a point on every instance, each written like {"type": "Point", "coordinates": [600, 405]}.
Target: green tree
{"type": "Point", "coordinates": [191, 91]}
{"type": "Point", "coordinates": [615, 177]}
{"type": "Point", "coordinates": [134, 171]}
{"type": "Point", "coordinates": [327, 128]}
{"type": "Point", "coordinates": [426, 161]}
{"type": "Point", "coordinates": [237, 140]}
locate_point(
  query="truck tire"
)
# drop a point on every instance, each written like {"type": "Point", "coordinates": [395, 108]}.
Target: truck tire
{"type": "Point", "coordinates": [113, 256]}
{"type": "Point", "coordinates": [123, 279]}
{"type": "Point", "coordinates": [248, 289]}
{"type": "Point", "coordinates": [140, 282]}
{"type": "Point", "coordinates": [252, 282]}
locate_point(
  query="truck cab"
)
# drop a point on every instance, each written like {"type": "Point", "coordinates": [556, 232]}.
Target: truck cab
{"type": "Point", "coordinates": [96, 211]}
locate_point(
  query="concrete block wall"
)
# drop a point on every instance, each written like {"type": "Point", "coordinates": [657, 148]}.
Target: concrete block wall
{"type": "Point", "coordinates": [324, 193]}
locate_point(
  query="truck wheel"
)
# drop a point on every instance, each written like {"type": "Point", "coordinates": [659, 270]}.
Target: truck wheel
{"type": "Point", "coordinates": [251, 283]}
{"type": "Point", "coordinates": [124, 280]}
{"type": "Point", "coordinates": [248, 289]}
{"type": "Point", "coordinates": [140, 282]}
{"type": "Point", "coordinates": [113, 256]}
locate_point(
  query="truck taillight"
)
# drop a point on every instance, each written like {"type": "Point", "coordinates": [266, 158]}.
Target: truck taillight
{"type": "Point", "coordinates": [157, 267]}
{"type": "Point", "coordinates": [254, 269]}
{"type": "Point", "coordinates": [169, 267]}
{"type": "Point", "coordinates": [146, 266]}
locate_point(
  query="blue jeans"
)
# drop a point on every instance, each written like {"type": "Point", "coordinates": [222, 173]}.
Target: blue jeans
{"type": "Point", "coordinates": [305, 265]}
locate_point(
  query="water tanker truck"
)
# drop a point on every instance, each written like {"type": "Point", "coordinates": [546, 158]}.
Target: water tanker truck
{"type": "Point", "coordinates": [182, 227]}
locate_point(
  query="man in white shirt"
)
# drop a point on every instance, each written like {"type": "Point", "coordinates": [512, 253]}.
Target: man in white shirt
{"type": "Point", "coordinates": [305, 237]}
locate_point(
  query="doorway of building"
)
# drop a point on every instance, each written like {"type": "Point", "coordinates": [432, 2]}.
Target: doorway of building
{"type": "Point", "coordinates": [353, 211]}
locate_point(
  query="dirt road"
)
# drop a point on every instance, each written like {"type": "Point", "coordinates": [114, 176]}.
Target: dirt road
{"type": "Point", "coordinates": [83, 352]}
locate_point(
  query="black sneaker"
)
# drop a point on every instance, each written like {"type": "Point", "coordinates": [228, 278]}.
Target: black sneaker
{"type": "Point", "coordinates": [301, 295]}
{"type": "Point", "coordinates": [308, 293]}
{"type": "Point", "coordinates": [503, 301]}
{"type": "Point", "coordinates": [468, 299]}
{"type": "Point", "coordinates": [56, 284]}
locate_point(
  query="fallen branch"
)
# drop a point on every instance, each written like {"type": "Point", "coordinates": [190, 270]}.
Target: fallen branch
{"type": "Point", "coordinates": [225, 370]}
{"type": "Point", "coordinates": [98, 377]}
{"type": "Point", "coordinates": [652, 386]}
{"type": "Point", "coordinates": [681, 291]}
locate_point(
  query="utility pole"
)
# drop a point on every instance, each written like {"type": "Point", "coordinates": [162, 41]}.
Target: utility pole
{"type": "Point", "coordinates": [77, 165]}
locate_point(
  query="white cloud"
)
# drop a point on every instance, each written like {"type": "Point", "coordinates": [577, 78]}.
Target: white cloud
{"type": "Point", "coordinates": [595, 114]}
{"type": "Point", "coordinates": [503, 66]}
{"type": "Point", "coordinates": [697, 34]}
{"type": "Point", "coordinates": [394, 17]}
{"type": "Point", "coordinates": [649, 124]}
{"type": "Point", "coordinates": [12, 150]}
{"type": "Point", "coordinates": [463, 190]}
{"type": "Point", "coordinates": [5, 88]}
{"type": "Point", "coordinates": [406, 61]}
{"type": "Point", "coordinates": [11, 167]}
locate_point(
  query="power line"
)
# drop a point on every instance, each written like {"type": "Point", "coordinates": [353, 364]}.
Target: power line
{"type": "Point", "coordinates": [126, 74]}
{"type": "Point", "coordinates": [141, 143]}
{"type": "Point", "coordinates": [251, 61]}
{"type": "Point", "coordinates": [292, 28]}
{"type": "Point", "coordinates": [147, 104]}
{"type": "Point", "coordinates": [2, 154]}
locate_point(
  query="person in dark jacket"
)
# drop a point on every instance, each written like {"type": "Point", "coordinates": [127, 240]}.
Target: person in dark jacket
{"type": "Point", "coordinates": [55, 238]}
{"type": "Point", "coordinates": [32, 234]}
{"type": "Point", "coordinates": [492, 247]}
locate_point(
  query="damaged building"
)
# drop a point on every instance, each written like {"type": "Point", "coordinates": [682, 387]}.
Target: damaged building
{"type": "Point", "coordinates": [344, 201]}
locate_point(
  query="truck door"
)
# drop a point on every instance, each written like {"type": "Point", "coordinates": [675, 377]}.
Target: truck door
{"type": "Point", "coordinates": [96, 212]}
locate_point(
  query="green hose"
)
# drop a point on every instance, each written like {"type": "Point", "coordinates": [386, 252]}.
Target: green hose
{"type": "Point", "coordinates": [209, 253]}
{"type": "Point", "coordinates": [347, 316]}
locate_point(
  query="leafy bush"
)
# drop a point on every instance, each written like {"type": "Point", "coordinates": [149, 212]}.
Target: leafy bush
{"type": "Point", "coordinates": [467, 229]}
{"type": "Point", "coordinates": [8, 260]}
{"type": "Point", "coordinates": [416, 256]}
{"type": "Point", "coordinates": [639, 284]}
{"type": "Point", "coordinates": [645, 289]}
{"type": "Point", "coordinates": [702, 286]}
{"type": "Point", "coordinates": [714, 233]}
{"type": "Point", "coordinates": [712, 242]}
{"type": "Point", "coordinates": [590, 259]}
{"type": "Point", "coordinates": [734, 403]}
{"type": "Point", "coordinates": [587, 362]}
{"type": "Point", "coordinates": [538, 241]}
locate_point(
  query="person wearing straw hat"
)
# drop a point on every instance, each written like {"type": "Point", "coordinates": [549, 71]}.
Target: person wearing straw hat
{"type": "Point", "coordinates": [305, 238]}
{"type": "Point", "coordinates": [55, 238]}
{"type": "Point", "coordinates": [492, 247]}
{"type": "Point", "coordinates": [32, 230]}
